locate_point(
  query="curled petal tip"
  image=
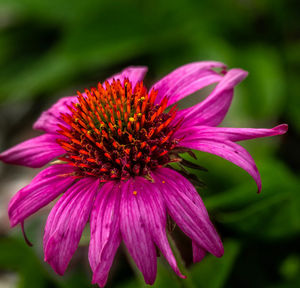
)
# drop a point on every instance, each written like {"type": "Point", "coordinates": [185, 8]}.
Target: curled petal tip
{"type": "Point", "coordinates": [283, 128]}
{"type": "Point", "coordinates": [259, 189]}
{"type": "Point", "coordinates": [149, 281]}
{"type": "Point", "coordinates": [219, 250]}
{"type": "Point", "coordinates": [59, 272]}
{"type": "Point", "coordinates": [235, 76]}
{"type": "Point", "coordinates": [220, 253]}
{"type": "Point", "coordinates": [242, 74]}
{"type": "Point", "coordinates": [180, 275]}
{"type": "Point", "coordinates": [94, 280]}
{"type": "Point", "coordinates": [98, 282]}
{"type": "Point", "coordinates": [259, 186]}
{"type": "Point", "coordinates": [12, 223]}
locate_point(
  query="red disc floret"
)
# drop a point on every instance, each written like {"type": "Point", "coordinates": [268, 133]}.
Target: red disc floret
{"type": "Point", "coordinates": [116, 132]}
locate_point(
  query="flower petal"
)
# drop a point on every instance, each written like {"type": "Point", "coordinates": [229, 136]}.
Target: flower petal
{"type": "Point", "coordinates": [35, 152]}
{"type": "Point", "coordinates": [43, 189]}
{"type": "Point", "coordinates": [225, 149]}
{"type": "Point", "coordinates": [134, 74]}
{"type": "Point", "coordinates": [66, 222]}
{"type": "Point", "coordinates": [213, 109]}
{"type": "Point", "coordinates": [105, 231]}
{"type": "Point", "coordinates": [50, 118]}
{"type": "Point", "coordinates": [232, 134]}
{"type": "Point", "coordinates": [187, 209]}
{"type": "Point", "coordinates": [188, 189]}
{"type": "Point", "coordinates": [153, 214]}
{"type": "Point", "coordinates": [186, 80]}
{"type": "Point", "coordinates": [198, 252]}
{"type": "Point", "coordinates": [135, 233]}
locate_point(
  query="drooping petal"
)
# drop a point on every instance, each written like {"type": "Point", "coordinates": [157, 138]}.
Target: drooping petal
{"type": "Point", "coordinates": [66, 222]}
{"type": "Point", "coordinates": [198, 252]}
{"type": "Point", "coordinates": [134, 74]}
{"type": "Point", "coordinates": [153, 214]}
{"type": "Point", "coordinates": [35, 152]}
{"type": "Point", "coordinates": [43, 189]}
{"type": "Point", "coordinates": [232, 134]}
{"type": "Point", "coordinates": [213, 109]}
{"type": "Point", "coordinates": [188, 189]}
{"type": "Point", "coordinates": [105, 231]}
{"type": "Point", "coordinates": [50, 118]}
{"type": "Point", "coordinates": [186, 80]}
{"type": "Point", "coordinates": [135, 233]}
{"type": "Point", "coordinates": [186, 208]}
{"type": "Point", "coordinates": [227, 150]}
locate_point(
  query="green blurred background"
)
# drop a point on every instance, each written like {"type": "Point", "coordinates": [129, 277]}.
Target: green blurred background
{"type": "Point", "coordinates": [49, 49]}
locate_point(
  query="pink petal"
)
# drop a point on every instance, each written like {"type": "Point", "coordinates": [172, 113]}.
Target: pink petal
{"type": "Point", "coordinates": [186, 80]}
{"type": "Point", "coordinates": [35, 152]}
{"type": "Point", "coordinates": [188, 189]}
{"type": "Point", "coordinates": [105, 231]}
{"type": "Point", "coordinates": [187, 209]}
{"type": "Point", "coordinates": [232, 134]}
{"type": "Point", "coordinates": [134, 74]}
{"type": "Point", "coordinates": [225, 149]}
{"type": "Point", "coordinates": [198, 252]}
{"type": "Point", "coordinates": [50, 118]}
{"type": "Point", "coordinates": [153, 214]}
{"type": "Point", "coordinates": [136, 234]}
{"type": "Point", "coordinates": [66, 222]}
{"type": "Point", "coordinates": [213, 109]}
{"type": "Point", "coordinates": [44, 188]}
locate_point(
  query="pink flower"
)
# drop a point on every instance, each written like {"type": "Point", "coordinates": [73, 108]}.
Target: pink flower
{"type": "Point", "coordinates": [114, 144]}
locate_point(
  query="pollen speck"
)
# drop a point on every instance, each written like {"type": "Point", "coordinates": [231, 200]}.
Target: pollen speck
{"type": "Point", "coordinates": [131, 119]}
{"type": "Point", "coordinates": [163, 181]}
{"type": "Point", "coordinates": [134, 192]}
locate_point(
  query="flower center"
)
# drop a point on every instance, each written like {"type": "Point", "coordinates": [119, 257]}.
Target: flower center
{"type": "Point", "coordinates": [115, 132]}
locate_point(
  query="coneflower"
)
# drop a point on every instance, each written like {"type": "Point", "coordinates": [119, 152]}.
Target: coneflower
{"type": "Point", "coordinates": [114, 144]}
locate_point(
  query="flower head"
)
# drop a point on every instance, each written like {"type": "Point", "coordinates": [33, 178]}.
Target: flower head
{"type": "Point", "coordinates": [114, 143]}
{"type": "Point", "coordinates": [115, 132]}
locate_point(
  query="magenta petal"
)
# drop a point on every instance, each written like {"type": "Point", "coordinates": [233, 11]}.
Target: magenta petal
{"type": "Point", "coordinates": [135, 233]}
{"type": "Point", "coordinates": [134, 74]}
{"type": "Point", "coordinates": [227, 150]}
{"type": "Point", "coordinates": [189, 216]}
{"type": "Point", "coordinates": [35, 152]}
{"type": "Point", "coordinates": [50, 118]}
{"type": "Point", "coordinates": [198, 252]}
{"type": "Point", "coordinates": [105, 231]}
{"type": "Point", "coordinates": [213, 109]}
{"type": "Point", "coordinates": [232, 134]}
{"type": "Point", "coordinates": [187, 79]}
{"type": "Point", "coordinates": [44, 188]}
{"type": "Point", "coordinates": [189, 190]}
{"type": "Point", "coordinates": [153, 214]}
{"type": "Point", "coordinates": [66, 222]}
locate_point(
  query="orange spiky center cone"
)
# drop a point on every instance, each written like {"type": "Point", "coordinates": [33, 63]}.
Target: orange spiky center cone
{"type": "Point", "coordinates": [115, 132]}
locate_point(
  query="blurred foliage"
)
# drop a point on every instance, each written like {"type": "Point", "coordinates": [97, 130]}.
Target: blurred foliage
{"type": "Point", "coordinates": [15, 255]}
{"type": "Point", "coordinates": [51, 48]}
